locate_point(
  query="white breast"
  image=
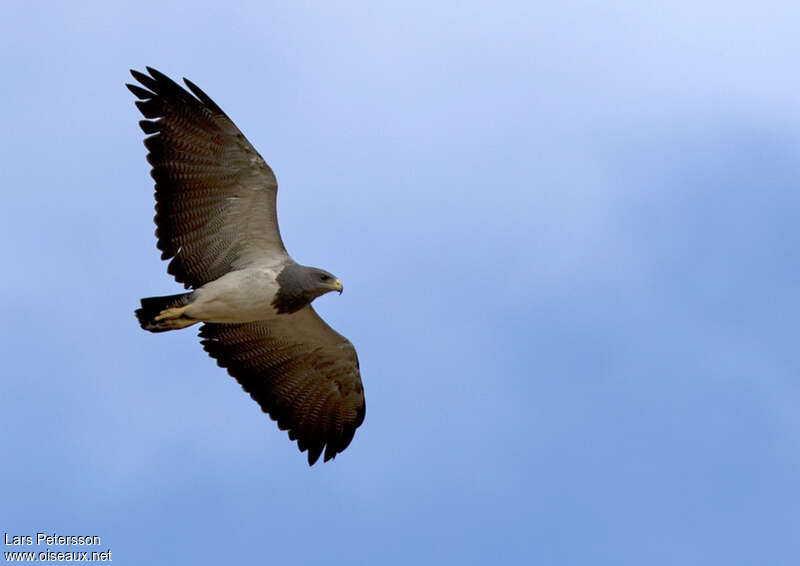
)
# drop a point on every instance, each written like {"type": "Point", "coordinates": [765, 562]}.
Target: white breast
{"type": "Point", "coordinates": [239, 296]}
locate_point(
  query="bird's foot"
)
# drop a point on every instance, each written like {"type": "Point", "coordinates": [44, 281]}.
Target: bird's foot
{"type": "Point", "coordinates": [174, 312]}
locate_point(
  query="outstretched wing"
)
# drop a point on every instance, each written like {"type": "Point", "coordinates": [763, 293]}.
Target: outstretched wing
{"type": "Point", "coordinates": [215, 195]}
{"type": "Point", "coordinates": [303, 373]}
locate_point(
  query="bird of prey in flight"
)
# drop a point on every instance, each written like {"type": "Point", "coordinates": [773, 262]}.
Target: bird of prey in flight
{"type": "Point", "coordinates": [216, 221]}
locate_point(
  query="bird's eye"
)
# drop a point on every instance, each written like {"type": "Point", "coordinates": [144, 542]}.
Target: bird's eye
{"type": "Point", "coordinates": [325, 277]}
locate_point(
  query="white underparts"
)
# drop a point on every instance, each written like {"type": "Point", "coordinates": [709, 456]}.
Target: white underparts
{"type": "Point", "coordinates": [239, 296]}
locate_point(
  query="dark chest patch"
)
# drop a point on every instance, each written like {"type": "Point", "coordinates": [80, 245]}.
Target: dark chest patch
{"type": "Point", "coordinates": [291, 295]}
{"type": "Point", "coordinates": [287, 303]}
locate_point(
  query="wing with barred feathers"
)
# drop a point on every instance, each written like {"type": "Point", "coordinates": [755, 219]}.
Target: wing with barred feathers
{"type": "Point", "coordinates": [215, 195]}
{"type": "Point", "coordinates": [300, 371]}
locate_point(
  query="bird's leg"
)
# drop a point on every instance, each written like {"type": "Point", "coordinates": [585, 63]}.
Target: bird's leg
{"type": "Point", "coordinates": [174, 312]}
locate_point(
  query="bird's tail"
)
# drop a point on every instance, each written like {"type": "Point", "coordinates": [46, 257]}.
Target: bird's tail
{"type": "Point", "coordinates": [159, 314]}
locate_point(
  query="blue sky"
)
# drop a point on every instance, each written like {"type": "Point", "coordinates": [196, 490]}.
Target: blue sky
{"type": "Point", "coordinates": [569, 241]}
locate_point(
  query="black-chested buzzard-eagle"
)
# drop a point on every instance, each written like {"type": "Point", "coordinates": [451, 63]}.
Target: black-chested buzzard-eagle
{"type": "Point", "coordinates": [216, 221]}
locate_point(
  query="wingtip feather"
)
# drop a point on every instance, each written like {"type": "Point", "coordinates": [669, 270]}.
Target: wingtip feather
{"type": "Point", "coordinates": [204, 98]}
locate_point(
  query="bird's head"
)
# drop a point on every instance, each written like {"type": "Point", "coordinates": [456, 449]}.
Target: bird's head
{"type": "Point", "coordinates": [325, 282]}
{"type": "Point", "coordinates": [298, 285]}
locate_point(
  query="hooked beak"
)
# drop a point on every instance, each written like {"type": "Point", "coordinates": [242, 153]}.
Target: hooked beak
{"type": "Point", "coordinates": [337, 286]}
